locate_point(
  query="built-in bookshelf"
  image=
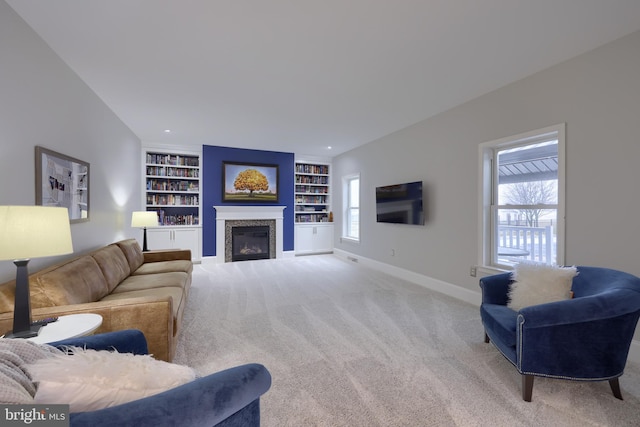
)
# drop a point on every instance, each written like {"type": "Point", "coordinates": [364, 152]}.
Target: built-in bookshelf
{"type": "Point", "coordinates": [312, 192]}
{"type": "Point", "coordinates": [173, 187]}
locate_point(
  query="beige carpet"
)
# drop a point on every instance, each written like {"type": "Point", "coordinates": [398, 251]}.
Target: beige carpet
{"type": "Point", "coordinates": [349, 346]}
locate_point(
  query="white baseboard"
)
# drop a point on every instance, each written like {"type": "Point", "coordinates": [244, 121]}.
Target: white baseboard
{"type": "Point", "coordinates": [205, 260]}
{"type": "Point", "coordinates": [457, 292]}
{"type": "Point", "coordinates": [449, 289]}
{"type": "Point", "coordinates": [288, 254]}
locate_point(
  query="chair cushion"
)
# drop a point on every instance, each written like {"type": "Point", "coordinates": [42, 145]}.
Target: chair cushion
{"type": "Point", "coordinates": [539, 284]}
{"type": "Point", "coordinates": [500, 323]}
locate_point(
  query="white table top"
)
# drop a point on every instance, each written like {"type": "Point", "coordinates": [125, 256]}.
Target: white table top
{"type": "Point", "coordinates": [71, 326]}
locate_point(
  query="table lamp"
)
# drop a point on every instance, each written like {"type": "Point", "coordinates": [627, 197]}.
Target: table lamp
{"type": "Point", "coordinates": [144, 219]}
{"type": "Point", "coordinates": [31, 232]}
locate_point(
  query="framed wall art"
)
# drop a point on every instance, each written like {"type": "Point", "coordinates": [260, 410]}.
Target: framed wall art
{"type": "Point", "coordinates": [249, 182]}
{"type": "Point", "coordinates": [62, 181]}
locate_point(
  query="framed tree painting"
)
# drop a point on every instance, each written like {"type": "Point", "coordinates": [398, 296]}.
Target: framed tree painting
{"type": "Point", "coordinates": [62, 181]}
{"type": "Point", "coordinates": [249, 182]}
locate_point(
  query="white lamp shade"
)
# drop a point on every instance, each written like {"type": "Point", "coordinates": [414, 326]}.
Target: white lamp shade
{"type": "Point", "coordinates": [34, 231]}
{"type": "Point", "coordinates": [141, 219]}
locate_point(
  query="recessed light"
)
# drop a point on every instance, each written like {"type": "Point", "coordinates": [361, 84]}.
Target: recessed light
{"type": "Point", "coordinates": [329, 147]}
{"type": "Point", "coordinates": [167, 131]}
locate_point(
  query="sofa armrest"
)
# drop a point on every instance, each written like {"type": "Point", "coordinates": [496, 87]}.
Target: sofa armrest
{"type": "Point", "coordinates": [167, 255]}
{"type": "Point", "coordinates": [205, 401]}
{"type": "Point", "coordinates": [150, 314]}
{"type": "Point", "coordinates": [126, 341]}
{"type": "Point", "coordinates": [495, 288]}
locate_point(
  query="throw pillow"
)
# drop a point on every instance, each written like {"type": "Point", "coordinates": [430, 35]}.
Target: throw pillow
{"type": "Point", "coordinates": [88, 380]}
{"type": "Point", "coordinates": [539, 284]}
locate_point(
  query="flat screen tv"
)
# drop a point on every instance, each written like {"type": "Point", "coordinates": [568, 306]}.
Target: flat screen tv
{"type": "Point", "coordinates": [400, 203]}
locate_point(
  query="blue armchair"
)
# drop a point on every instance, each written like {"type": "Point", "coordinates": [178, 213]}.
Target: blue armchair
{"type": "Point", "coordinates": [585, 338]}
{"type": "Point", "coordinates": [227, 398]}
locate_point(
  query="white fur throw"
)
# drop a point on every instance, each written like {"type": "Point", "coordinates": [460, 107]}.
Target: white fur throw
{"type": "Point", "coordinates": [539, 284]}
{"type": "Point", "coordinates": [88, 380]}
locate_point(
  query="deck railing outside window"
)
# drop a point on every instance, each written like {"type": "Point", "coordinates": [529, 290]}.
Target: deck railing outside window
{"type": "Point", "coordinates": [517, 243]}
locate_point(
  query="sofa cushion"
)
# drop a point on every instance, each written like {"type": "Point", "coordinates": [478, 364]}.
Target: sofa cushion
{"type": "Point", "coordinates": [164, 267]}
{"type": "Point", "coordinates": [76, 282]}
{"type": "Point", "coordinates": [160, 280]}
{"type": "Point", "coordinates": [113, 263]}
{"type": "Point", "coordinates": [132, 251]}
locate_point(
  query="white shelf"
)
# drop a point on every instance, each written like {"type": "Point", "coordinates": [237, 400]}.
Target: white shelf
{"type": "Point", "coordinates": [167, 169]}
{"type": "Point", "coordinates": [312, 192]}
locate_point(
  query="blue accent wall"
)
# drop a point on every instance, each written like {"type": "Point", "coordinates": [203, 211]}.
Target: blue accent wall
{"type": "Point", "coordinates": [212, 158]}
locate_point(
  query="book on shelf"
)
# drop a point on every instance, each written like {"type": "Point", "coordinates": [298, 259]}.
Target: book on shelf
{"type": "Point", "coordinates": [312, 179]}
{"type": "Point", "coordinates": [312, 169]}
{"type": "Point", "coordinates": [154, 199]}
{"type": "Point", "coordinates": [171, 159]}
{"type": "Point", "coordinates": [312, 189]}
{"type": "Point", "coordinates": [169, 171]}
{"type": "Point", "coordinates": [312, 217]}
{"type": "Point", "coordinates": [168, 185]}
{"type": "Point", "coordinates": [165, 219]}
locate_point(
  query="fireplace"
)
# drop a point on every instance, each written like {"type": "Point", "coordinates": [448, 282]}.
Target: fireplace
{"type": "Point", "coordinates": [250, 243]}
{"type": "Point", "coordinates": [251, 236]}
{"type": "Point", "coordinates": [229, 217]}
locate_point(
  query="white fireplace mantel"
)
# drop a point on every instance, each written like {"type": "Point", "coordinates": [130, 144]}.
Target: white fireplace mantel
{"type": "Point", "coordinates": [234, 213]}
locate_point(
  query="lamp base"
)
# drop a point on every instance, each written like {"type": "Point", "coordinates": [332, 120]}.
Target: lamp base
{"type": "Point", "coordinates": [29, 333]}
{"type": "Point", "coordinates": [22, 325]}
{"type": "Point", "coordinates": [144, 241]}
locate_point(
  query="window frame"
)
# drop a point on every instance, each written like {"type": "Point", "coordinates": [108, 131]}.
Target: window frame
{"type": "Point", "coordinates": [346, 186]}
{"type": "Point", "coordinates": [488, 192]}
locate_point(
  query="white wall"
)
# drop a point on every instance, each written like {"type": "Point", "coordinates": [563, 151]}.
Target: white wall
{"type": "Point", "coordinates": [598, 96]}
{"type": "Point", "coordinates": [43, 102]}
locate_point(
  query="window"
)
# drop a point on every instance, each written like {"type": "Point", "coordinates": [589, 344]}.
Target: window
{"type": "Point", "coordinates": [352, 206]}
{"type": "Point", "coordinates": [522, 199]}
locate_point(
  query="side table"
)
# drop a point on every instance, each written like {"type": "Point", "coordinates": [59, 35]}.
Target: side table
{"type": "Point", "coordinates": [70, 326]}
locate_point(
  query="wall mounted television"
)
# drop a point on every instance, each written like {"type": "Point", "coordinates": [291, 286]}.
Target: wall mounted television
{"type": "Point", "coordinates": [400, 203]}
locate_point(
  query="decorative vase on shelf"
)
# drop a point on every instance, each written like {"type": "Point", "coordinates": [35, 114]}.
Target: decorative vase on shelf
{"type": "Point", "coordinates": [330, 216]}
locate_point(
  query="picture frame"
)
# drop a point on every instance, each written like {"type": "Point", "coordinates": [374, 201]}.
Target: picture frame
{"type": "Point", "coordinates": [62, 181]}
{"type": "Point", "coordinates": [249, 182]}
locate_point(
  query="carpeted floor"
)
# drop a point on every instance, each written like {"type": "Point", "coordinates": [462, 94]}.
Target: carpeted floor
{"type": "Point", "coordinates": [350, 346]}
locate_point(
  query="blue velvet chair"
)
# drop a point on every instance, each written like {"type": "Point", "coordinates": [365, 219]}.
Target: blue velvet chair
{"type": "Point", "coordinates": [227, 398]}
{"type": "Point", "coordinates": [585, 338]}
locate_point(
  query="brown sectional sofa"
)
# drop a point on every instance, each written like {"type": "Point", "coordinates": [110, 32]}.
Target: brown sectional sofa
{"type": "Point", "coordinates": [127, 287]}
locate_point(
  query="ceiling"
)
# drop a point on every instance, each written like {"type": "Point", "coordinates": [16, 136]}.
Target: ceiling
{"type": "Point", "coordinates": [301, 75]}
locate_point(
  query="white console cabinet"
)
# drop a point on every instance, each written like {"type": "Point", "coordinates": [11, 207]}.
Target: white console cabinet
{"type": "Point", "coordinates": [314, 238]}
{"type": "Point", "coordinates": [175, 238]}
